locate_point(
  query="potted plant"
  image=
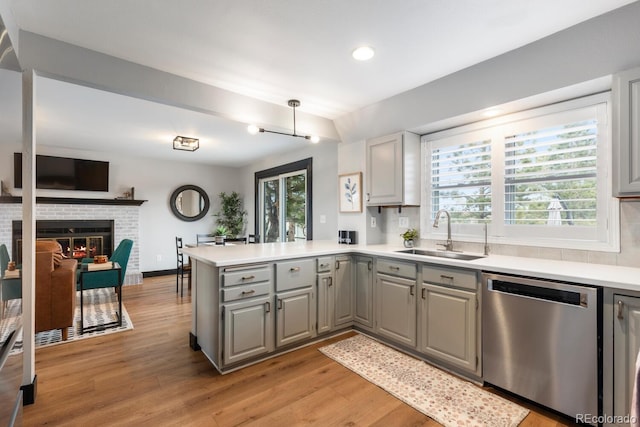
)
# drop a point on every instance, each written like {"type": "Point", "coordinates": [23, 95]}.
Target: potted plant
{"type": "Point", "coordinates": [231, 215]}
{"type": "Point", "coordinates": [409, 237]}
{"type": "Point", "coordinates": [220, 234]}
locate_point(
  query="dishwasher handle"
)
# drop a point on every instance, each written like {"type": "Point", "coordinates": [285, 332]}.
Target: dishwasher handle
{"type": "Point", "coordinates": [538, 292]}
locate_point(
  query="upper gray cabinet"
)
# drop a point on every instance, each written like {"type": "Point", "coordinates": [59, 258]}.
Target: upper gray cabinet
{"type": "Point", "coordinates": [626, 133]}
{"type": "Point", "coordinates": [393, 170]}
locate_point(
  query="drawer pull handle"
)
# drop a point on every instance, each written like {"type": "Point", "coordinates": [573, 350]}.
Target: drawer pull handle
{"type": "Point", "coordinates": [248, 277]}
{"type": "Point", "coordinates": [394, 268]}
{"type": "Point", "coordinates": [268, 305]}
{"type": "Point", "coordinates": [279, 304]}
{"type": "Point", "coordinates": [445, 277]}
{"type": "Point", "coordinates": [294, 269]}
{"type": "Point", "coordinates": [324, 265]}
{"type": "Point", "coordinates": [369, 265]}
{"type": "Point", "coordinates": [411, 290]}
{"type": "Point", "coordinates": [620, 308]}
{"type": "Point", "coordinates": [329, 281]}
{"type": "Point", "coordinates": [251, 292]}
{"type": "Point", "coordinates": [423, 291]}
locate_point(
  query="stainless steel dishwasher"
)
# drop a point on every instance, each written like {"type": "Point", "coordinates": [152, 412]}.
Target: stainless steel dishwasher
{"type": "Point", "coordinates": [541, 340]}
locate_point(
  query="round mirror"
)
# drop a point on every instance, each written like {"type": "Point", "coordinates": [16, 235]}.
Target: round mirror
{"type": "Point", "coordinates": [189, 203]}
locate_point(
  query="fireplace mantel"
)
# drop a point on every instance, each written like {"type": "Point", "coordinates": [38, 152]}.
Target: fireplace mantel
{"type": "Point", "coordinates": [74, 201]}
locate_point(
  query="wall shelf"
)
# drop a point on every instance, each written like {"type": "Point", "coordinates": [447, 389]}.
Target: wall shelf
{"type": "Point", "coordinates": [74, 201]}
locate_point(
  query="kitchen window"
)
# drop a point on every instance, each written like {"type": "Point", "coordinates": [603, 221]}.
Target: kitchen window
{"type": "Point", "coordinates": [283, 209]}
{"type": "Point", "coordinates": [539, 178]}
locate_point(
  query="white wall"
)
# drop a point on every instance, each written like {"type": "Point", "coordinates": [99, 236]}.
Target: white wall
{"type": "Point", "coordinates": [154, 181]}
{"type": "Point", "coordinates": [325, 183]}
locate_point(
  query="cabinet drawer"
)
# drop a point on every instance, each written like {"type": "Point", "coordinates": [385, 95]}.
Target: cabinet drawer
{"type": "Point", "coordinates": [324, 264]}
{"type": "Point", "coordinates": [467, 279]}
{"type": "Point", "coordinates": [295, 274]}
{"type": "Point", "coordinates": [242, 292]}
{"type": "Point", "coordinates": [397, 268]}
{"type": "Point", "coordinates": [245, 276]}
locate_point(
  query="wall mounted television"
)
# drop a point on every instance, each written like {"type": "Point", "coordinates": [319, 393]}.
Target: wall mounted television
{"type": "Point", "coordinates": [63, 173]}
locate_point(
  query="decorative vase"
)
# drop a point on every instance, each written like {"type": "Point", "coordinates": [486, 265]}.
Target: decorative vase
{"type": "Point", "coordinates": [220, 240]}
{"type": "Point", "coordinates": [408, 243]}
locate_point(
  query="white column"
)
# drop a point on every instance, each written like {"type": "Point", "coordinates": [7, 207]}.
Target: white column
{"type": "Point", "coordinates": [28, 223]}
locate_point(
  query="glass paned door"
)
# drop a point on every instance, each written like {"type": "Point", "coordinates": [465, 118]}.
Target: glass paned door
{"type": "Point", "coordinates": [296, 207]}
{"type": "Point", "coordinates": [283, 203]}
{"type": "Point", "coordinates": [270, 209]}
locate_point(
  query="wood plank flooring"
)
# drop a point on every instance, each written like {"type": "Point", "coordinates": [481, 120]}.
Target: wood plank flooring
{"type": "Point", "coordinates": [150, 377]}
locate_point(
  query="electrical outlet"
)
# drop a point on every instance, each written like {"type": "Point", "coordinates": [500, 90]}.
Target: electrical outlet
{"type": "Point", "coordinates": [323, 219]}
{"type": "Point", "coordinates": [373, 222]}
{"type": "Point", "coordinates": [158, 258]}
{"type": "Point", "coordinates": [403, 222]}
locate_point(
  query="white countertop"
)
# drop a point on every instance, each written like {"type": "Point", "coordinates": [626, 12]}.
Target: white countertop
{"type": "Point", "coordinates": [592, 274]}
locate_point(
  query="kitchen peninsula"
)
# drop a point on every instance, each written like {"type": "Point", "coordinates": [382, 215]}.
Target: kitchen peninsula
{"type": "Point", "coordinates": [255, 301]}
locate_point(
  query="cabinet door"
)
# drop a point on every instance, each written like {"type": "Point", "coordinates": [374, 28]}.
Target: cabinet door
{"type": "Point", "coordinates": [344, 292]}
{"type": "Point", "coordinates": [325, 302]}
{"type": "Point", "coordinates": [448, 325]}
{"type": "Point", "coordinates": [295, 320]}
{"type": "Point", "coordinates": [626, 136]}
{"type": "Point", "coordinates": [626, 343]}
{"type": "Point", "coordinates": [396, 317]}
{"type": "Point", "coordinates": [384, 170]}
{"type": "Point", "coordinates": [248, 329]}
{"type": "Point", "coordinates": [364, 291]}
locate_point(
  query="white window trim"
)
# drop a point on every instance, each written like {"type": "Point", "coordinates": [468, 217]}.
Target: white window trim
{"type": "Point", "coordinates": [608, 235]}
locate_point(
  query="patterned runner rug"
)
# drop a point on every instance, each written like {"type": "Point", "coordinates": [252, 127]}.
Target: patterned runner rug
{"type": "Point", "coordinates": [100, 306]}
{"type": "Point", "coordinates": [437, 394]}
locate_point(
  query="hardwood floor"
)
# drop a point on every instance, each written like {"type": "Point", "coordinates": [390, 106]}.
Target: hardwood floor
{"type": "Point", "coordinates": [150, 377]}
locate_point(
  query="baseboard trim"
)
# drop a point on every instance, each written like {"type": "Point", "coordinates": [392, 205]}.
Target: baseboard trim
{"type": "Point", "coordinates": [29, 392]}
{"type": "Point", "coordinates": [159, 273]}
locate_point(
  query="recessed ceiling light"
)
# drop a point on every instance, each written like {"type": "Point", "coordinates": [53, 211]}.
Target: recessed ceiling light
{"type": "Point", "coordinates": [363, 53]}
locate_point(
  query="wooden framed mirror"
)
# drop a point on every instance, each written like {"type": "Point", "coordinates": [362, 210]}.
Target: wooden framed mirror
{"type": "Point", "coordinates": [189, 203]}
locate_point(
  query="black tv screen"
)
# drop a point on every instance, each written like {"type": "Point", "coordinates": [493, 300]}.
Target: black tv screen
{"type": "Point", "coordinates": [63, 173]}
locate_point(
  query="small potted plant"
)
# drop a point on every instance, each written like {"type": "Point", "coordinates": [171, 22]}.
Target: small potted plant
{"type": "Point", "coordinates": [220, 234]}
{"type": "Point", "coordinates": [409, 237]}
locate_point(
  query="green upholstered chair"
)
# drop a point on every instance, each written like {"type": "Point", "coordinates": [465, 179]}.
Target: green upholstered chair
{"type": "Point", "coordinates": [107, 279]}
{"type": "Point", "coordinates": [11, 288]}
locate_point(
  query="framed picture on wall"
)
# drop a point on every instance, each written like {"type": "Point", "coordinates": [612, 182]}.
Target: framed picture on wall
{"type": "Point", "coordinates": [350, 192]}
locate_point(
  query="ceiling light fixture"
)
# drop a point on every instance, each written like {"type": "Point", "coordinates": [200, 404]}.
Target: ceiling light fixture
{"type": "Point", "coordinates": [186, 144]}
{"type": "Point", "coordinates": [293, 103]}
{"type": "Point", "coordinates": [363, 53]}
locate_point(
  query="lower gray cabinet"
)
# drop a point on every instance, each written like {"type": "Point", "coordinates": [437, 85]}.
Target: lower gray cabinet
{"type": "Point", "coordinates": [626, 343]}
{"type": "Point", "coordinates": [248, 329]}
{"type": "Point", "coordinates": [448, 325]}
{"type": "Point", "coordinates": [396, 317]}
{"type": "Point", "coordinates": [325, 301]}
{"type": "Point", "coordinates": [344, 291]}
{"type": "Point", "coordinates": [363, 313]}
{"type": "Point", "coordinates": [296, 316]}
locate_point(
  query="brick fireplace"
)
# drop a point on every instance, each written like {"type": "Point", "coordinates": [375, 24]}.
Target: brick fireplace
{"type": "Point", "coordinates": [123, 215]}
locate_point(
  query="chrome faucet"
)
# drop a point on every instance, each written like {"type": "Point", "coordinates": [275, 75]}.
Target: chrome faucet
{"type": "Point", "coordinates": [449, 245]}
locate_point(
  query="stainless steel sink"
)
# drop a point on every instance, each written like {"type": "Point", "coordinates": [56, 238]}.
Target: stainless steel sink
{"type": "Point", "coordinates": [441, 254]}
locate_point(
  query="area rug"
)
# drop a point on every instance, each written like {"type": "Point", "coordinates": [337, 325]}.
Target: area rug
{"type": "Point", "coordinates": [100, 307]}
{"type": "Point", "coordinates": [437, 394]}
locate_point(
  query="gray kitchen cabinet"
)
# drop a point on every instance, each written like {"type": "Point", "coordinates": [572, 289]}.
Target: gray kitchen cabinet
{"type": "Point", "coordinates": [363, 313]}
{"type": "Point", "coordinates": [626, 343]}
{"type": "Point", "coordinates": [296, 314]}
{"type": "Point", "coordinates": [248, 329]}
{"type": "Point", "coordinates": [449, 317]}
{"type": "Point", "coordinates": [396, 296]}
{"type": "Point", "coordinates": [325, 295]}
{"type": "Point", "coordinates": [344, 291]}
{"type": "Point", "coordinates": [295, 301]}
{"type": "Point", "coordinates": [393, 170]}
{"type": "Point", "coordinates": [626, 133]}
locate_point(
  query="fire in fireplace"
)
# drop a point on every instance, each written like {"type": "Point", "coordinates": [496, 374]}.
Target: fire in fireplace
{"type": "Point", "coordinates": [78, 238]}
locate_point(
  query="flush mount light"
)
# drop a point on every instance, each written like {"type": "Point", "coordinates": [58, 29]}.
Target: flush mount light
{"type": "Point", "coordinates": [363, 53]}
{"type": "Point", "coordinates": [293, 103]}
{"type": "Point", "coordinates": [186, 144]}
